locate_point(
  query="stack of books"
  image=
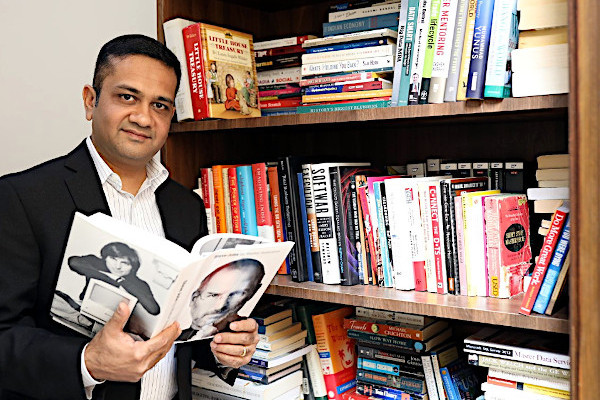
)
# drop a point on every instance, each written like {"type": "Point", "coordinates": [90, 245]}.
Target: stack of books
{"type": "Point", "coordinates": [278, 64]}
{"type": "Point", "coordinates": [541, 63]}
{"type": "Point", "coordinates": [348, 71]}
{"type": "Point", "coordinates": [521, 365]}
{"type": "Point", "coordinates": [552, 176]}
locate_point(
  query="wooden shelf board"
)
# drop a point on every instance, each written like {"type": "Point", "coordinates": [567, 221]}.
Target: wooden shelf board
{"type": "Point", "coordinates": [474, 309]}
{"type": "Point", "coordinates": [454, 110]}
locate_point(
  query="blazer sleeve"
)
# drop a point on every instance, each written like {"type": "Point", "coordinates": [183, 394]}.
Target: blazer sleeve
{"type": "Point", "coordinates": [33, 361]}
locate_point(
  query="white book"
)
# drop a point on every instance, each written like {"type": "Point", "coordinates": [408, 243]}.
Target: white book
{"type": "Point", "coordinates": [260, 354]}
{"type": "Point", "coordinates": [418, 59]}
{"type": "Point", "coordinates": [284, 341]}
{"type": "Point", "coordinates": [534, 58]}
{"type": "Point", "coordinates": [425, 207]}
{"type": "Point", "coordinates": [400, 43]}
{"type": "Point", "coordinates": [378, 9]}
{"type": "Point", "coordinates": [554, 193]}
{"type": "Point", "coordinates": [456, 52]}
{"type": "Point", "coordinates": [247, 389]}
{"type": "Point", "coordinates": [350, 37]}
{"type": "Point", "coordinates": [361, 64]}
{"type": "Point", "coordinates": [559, 384]}
{"type": "Point", "coordinates": [279, 76]}
{"type": "Point", "coordinates": [315, 371]}
{"type": "Point", "coordinates": [174, 42]}
{"type": "Point", "coordinates": [540, 82]}
{"type": "Point", "coordinates": [501, 392]}
{"type": "Point", "coordinates": [349, 54]}
{"type": "Point", "coordinates": [547, 14]}
{"type": "Point", "coordinates": [429, 377]}
{"type": "Point", "coordinates": [282, 42]}
{"type": "Point", "coordinates": [199, 393]}
{"type": "Point", "coordinates": [437, 229]}
{"type": "Point", "coordinates": [442, 51]}
{"type": "Point", "coordinates": [159, 279]}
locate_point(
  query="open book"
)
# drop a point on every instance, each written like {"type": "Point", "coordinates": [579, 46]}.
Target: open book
{"type": "Point", "coordinates": [107, 261]}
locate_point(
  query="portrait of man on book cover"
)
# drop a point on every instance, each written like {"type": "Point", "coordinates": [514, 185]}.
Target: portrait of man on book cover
{"type": "Point", "coordinates": [221, 294]}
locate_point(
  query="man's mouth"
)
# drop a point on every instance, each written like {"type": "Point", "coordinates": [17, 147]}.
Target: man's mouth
{"type": "Point", "coordinates": [136, 134]}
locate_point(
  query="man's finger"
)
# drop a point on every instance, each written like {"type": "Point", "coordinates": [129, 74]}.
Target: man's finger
{"type": "Point", "coordinates": [119, 318]}
{"type": "Point", "coordinates": [165, 338]}
{"type": "Point", "coordinates": [244, 325]}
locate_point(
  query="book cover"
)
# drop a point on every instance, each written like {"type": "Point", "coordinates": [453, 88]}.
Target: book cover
{"type": "Point", "coordinates": [465, 62]}
{"type": "Point", "coordinates": [336, 350]}
{"type": "Point", "coordinates": [541, 266]}
{"type": "Point", "coordinates": [456, 52]}
{"type": "Point", "coordinates": [361, 24]}
{"type": "Point", "coordinates": [383, 328]}
{"type": "Point", "coordinates": [107, 261]}
{"type": "Point", "coordinates": [222, 72]}
{"type": "Point", "coordinates": [508, 243]}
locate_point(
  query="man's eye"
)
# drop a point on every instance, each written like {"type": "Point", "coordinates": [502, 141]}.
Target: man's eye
{"type": "Point", "coordinates": [126, 97]}
{"type": "Point", "coordinates": [161, 106]}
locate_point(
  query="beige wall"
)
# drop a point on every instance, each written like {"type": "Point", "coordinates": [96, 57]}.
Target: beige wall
{"type": "Point", "coordinates": [47, 54]}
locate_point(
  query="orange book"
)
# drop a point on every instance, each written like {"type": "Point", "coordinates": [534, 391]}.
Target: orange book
{"type": "Point", "coordinates": [219, 201]}
{"type": "Point", "coordinates": [236, 221]}
{"type": "Point", "coordinates": [336, 351]}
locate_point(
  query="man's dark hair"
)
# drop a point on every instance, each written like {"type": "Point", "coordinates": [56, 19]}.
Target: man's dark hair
{"type": "Point", "coordinates": [121, 250]}
{"type": "Point", "coordinates": [128, 45]}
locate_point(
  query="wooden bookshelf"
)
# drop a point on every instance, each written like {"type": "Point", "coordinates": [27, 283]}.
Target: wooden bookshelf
{"type": "Point", "coordinates": [485, 310]}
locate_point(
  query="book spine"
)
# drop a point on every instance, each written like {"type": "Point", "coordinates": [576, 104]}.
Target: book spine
{"type": "Point", "coordinates": [368, 63]}
{"type": "Point", "coordinates": [435, 363]}
{"type": "Point", "coordinates": [449, 386]}
{"type": "Point", "coordinates": [347, 46]}
{"type": "Point", "coordinates": [364, 94]}
{"type": "Point", "coordinates": [383, 392]}
{"type": "Point", "coordinates": [278, 92]}
{"type": "Point", "coordinates": [514, 353]}
{"type": "Point", "coordinates": [364, 12]}
{"type": "Point", "coordinates": [425, 206]}
{"type": "Point", "coordinates": [322, 192]}
{"type": "Point", "coordinates": [558, 220]}
{"type": "Point", "coordinates": [273, 104]}
{"type": "Point", "coordinates": [399, 317]}
{"type": "Point", "coordinates": [192, 39]}
{"type": "Point", "coordinates": [264, 216]}
{"type": "Point", "coordinates": [430, 378]}
{"type": "Point", "coordinates": [409, 362]}
{"type": "Point", "coordinates": [279, 76]}
{"type": "Point", "coordinates": [311, 216]}
{"type": "Point", "coordinates": [286, 200]}
{"type": "Point", "coordinates": [410, 197]}
{"type": "Point", "coordinates": [560, 285]}
{"type": "Point", "coordinates": [562, 247]}
{"type": "Point", "coordinates": [479, 49]}
{"type": "Point", "coordinates": [363, 251]}
{"type": "Point", "coordinates": [386, 230]}
{"type": "Point", "coordinates": [361, 24]}
{"type": "Point", "coordinates": [438, 238]}
{"type": "Point", "coordinates": [398, 237]}
{"type": "Point", "coordinates": [278, 62]}
{"type": "Point", "coordinates": [401, 382]}
{"type": "Point", "coordinates": [353, 229]}
{"type": "Point", "coordinates": [392, 369]}
{"type": "Point", "coordinates": [520, 368]}
{"type": "Point", "coordinates": [460, 246]}
{"type": "Point", "coordinates": [347, 278]}
{"type": "Point", "coordinates": [174, 42]}
{"type": "Point", "coordinates": [456, 53]}
{"type": "Point", "coordinates": [353, 87]}
{"type": "Point", "coordinates": [465, 62]}
{"type": "Point", "coordinates": [345, 77]}
{"type": "Point", "coordinates": [208, 198]}
{"type": "Point", "coordinates": [220, 220]}
{"type": "Point", "coordinates": [303, 224]}
{"type": "Point", "coordinates": [369, 233]}
{"type": "Point", "coordinates": [234, 200]}
{"type": "Point", "coordinates": [504, 38]}
{"type": "Point", "coordinates": [273, 178]}
{"type": "Point", "coordinates": [382, 232]}
{"type": "Point", "coordinates": [405, 344]}
{"type": "Point", "coordinates": [350, 54]}
{"type": "Point", "coordinates": [316, 374]}
{"type": "Point", "coordinates": [247, 204]}
{"type": "Point", "coordinates": [402, 69]}
{"type": "Point", "coordinates": [558, 384]}
{"type": "Point", "coordinates": [429, 50]}
{"type": "Point", "coordinates": [343, 107]}
{"type": "Point", "coordinates": [420, 44]}
{"type": "Point", "coordinates": [447, 216]}
{"type": "Point", "coordinates": [442, 51]}
{"type": "Point", "coordinates": [383, 329]}
{"type": "Point", "coordinates": [494, 241]}
{"type": "Point", "coordinates": [283, 42]}
{"type": "Point", "coordinates": [278, 51]}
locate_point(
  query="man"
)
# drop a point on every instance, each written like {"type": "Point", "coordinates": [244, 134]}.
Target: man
{"type": "Point", "coordinates": [221, 295]}
{"type": "Point", "coordinates": [130, 105]}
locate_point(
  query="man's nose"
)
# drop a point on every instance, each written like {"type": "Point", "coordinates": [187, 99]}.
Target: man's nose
{"type": "Point", "coordinates": [140, 115]}
{"type": "Point", "coordinates": [223, 303]}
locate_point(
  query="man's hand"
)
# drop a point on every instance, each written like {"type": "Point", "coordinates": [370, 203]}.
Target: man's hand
{"type": "Point", "coordinates": [235, 348]}
{"type": "Point", "coordinates": [114, 355]}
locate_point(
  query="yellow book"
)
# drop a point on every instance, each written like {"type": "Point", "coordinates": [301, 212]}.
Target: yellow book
{"type": "Point", "coordinates": [362, 94]}
{"type": "Point", "coordinates": [561, 394]}
{"type": "Point", "coordinates": [463, 77]}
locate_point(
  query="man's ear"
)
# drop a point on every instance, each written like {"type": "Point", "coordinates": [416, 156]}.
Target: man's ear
{"type": "Point", "coordinates": [89, 101]}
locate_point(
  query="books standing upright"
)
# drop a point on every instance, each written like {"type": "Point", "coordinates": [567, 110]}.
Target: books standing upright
{"type": "Point", "coordinates": [222, 72]}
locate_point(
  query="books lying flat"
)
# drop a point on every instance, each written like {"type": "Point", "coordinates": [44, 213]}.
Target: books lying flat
{"type": "Point", "coordinates": [552, 174]}
{"type": "Point", "coordinates": [285, 332]}
{"type": "Point", "coordinates": [205, 394]}
{"type": "Point", "coordinates": [107, 261]}
{"type": "Point", "coordinates": [540, 82]}
{"type": "Point", "coordinates": [553, 161]}
{"type": "Point", "coordinates": [266, 379]}
{"type": "Point", "coordinates": [543, 37]}
{"type": "Point", "coordinates": [268, 315]}
{"type": "Point", "coordinates": [363, 94]}
{"type": "Point", "coordinates": [284, 358]}
{"type": "Point", "coordinates": [554, 193]}
{"type": "Point", "coordinates": [275, 326]}
{"type": "Point", "coordinates": [271, 347]}
{"type": "Point", "coordinates": [350, 37]}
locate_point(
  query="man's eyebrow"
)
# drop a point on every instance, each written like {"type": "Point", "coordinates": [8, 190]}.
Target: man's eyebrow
{"type": "Point", "coordinates": [136, 91]}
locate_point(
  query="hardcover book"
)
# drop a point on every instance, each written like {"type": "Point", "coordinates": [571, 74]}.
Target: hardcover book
{"type": "Point", "coordinates": [107, 262]}
{"type": "Point", "coordinates": [222, 72]}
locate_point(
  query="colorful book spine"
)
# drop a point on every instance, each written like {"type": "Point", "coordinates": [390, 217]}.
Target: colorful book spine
{"type": "Point", "coordinates": [480, 49]}
{"type": "Point", "coordinates": [434, 199]}
{"type": "Point", "coordinates": [350, 87]}
{"type": "Point", "coordinates": [361, 64]}
{"type": "Point", "coordinates": [247, 203]}
{"type": "Point", "coordinates": [192, 40]}
{"type": "Point", "coordinates": [361, 24]}
{"type": "Point", "coordinates": [220, 218]}
{"type": "Point", "coordinates": [420, 44]}
{"type": "Point", "coordinates": [264, 216]}
{"type": "Point", "coordinates": [449, 386]}
{"type": "Point", "coordinates": [457, 49]}
{"type": "Point", "coordinates": [279, 76]}
{"type": "Point", "coordinates": [277, 51]}
{"type": "Point", "coordinates": [311, 217]}
{"type": "Point", "coordinates": [388, 280]}
{"type": "Point", "coordinates": [425, 207]}
{"type": "Point", "coordinates": [430, 378]}
{"type": "Point", "coordinates": [521, 368]}
{"type": "Point", "coordinates": [560, 253]}
{"type": "Point", "coordinates": [402, 70]}
{"type": "Point", "coordinates": [283, 42]}
{"type": "Point", "coordinates": [541, 266]}
{"type": "Point", "coordinates": [442, 51]}
{"type": "Point", "coordinates": [304, 225]}
{"type": "Point", "coordinates": [369, 233]}
{"type": "Point", "coordinates": [363, 94]}
{"type": "Point", "coordinates": [343, 77]}
{"type": "Point", "coordinates": [347, 278]}
{"type": "Point", "coordinates": [391, 330]}
{"type": "Point", "coordinates": [504, 39]}
{"type": "Point", "coordinates": [227, 197]}
{"type": "Point", "coordinates": [278, 62]}
{"type": "Point", "coordinates": [281, 103]}
{"type": "Point", "coordinates": [434, 15]}
{"type": "Point", "coordinates": [381, 9]}
{"type": "Point", "coordinates": [273, 178]}
{"type": "Point", "coordinates": [234, 201]}
{"type": "Point", "coordinates": [410, 362]}
{"type": "Point", "coordinates": [370, 371]}
{"type": "Point", "coordinates": [208, 197]}
{"type": "Point", "coordinates": [465, 62]}
{"type": "Point", "coordinates": [343, 107]}
{"type": "Point", "coordinates": [350, 54]}
{"type": "Point", "coordinates": [279, 92]}
{"type": "Point", "coordinates": [347, 46]}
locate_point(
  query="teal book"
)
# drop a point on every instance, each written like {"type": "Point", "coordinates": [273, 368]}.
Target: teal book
{"type": "Point", "coordinates": [247, 203]}
{"type": "Point", "coordinates": [402, 70]}
{"type": "Point", "coordinates": [365, 105]}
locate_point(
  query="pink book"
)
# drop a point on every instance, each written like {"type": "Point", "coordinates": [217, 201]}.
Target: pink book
{"type": "Point", "coordinates": [460, 245]}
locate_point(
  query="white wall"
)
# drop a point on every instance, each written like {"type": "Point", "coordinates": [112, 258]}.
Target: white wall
{"type": "Point", "coordinates": [47, 53]}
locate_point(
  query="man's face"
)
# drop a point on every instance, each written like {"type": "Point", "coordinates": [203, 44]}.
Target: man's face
{"type": "Point", "coordinates": [131, 121]}
{"type": "Point", "coordinates": [119, 266]}
{"type": "Point", "coordinates": [223, 295]}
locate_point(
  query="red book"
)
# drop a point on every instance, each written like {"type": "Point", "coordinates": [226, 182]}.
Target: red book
{"type": "Point", "coordinates": [264, 219]}
{"type": "Point", "coordinates": [293, 102]}
{"type": "Point", "coordinates": [236, 220]}
{"type": "Point", "coordinates": [278, 51]}
{"type": "Point", "coordinates": [276, 208]}
{"type": "Point", "coordinates": [192, 42]}
{"type": "Point", "coordinates": [368, 226]}
{"type": "Point", "coordinates": [558, 221]}
{"type": "Point", "coordinates": [415, 333]}
{"type": "Point", "coordinates": [208, 196]}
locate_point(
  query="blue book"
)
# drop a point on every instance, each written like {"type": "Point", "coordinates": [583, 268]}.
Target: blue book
{"type": "Point", "coordinates": [347, 46]}
{"type": "Point", "coordinates": [449, 386]}
{"type": "Point", "coordinates": [558, 259]}
{"type": "Point", "coordinates": [308, 254]}
{"type": "Point", "coordinates": [402, 68]}
{"type": "Point", "coordinates": [247, 204]}
{"type": "Point", "coordinates": [388, 280]}
{"type": "Point", "coordinates": [480, 49]}
{"type": "Point", "coordinates": [361, 24]}
{"type": "Point", "coordinates": [324, 89]}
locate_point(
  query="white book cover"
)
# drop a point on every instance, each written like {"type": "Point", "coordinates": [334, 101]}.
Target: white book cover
{"type": "Point", "coordinates": [418, 60]}
{"type": "Point", "coordinates": [361, 64]}
{"type": "Point", "coordinates": [349, 54]}
{"type": "Point", "coordinates": [107, 261]}
{"type": "Point", "coordinates": [174, 42]}
{"type": "Point", "coordinates": [456, 52]}
{"type": "Point", "coordinates": [378, 9]}
{"type": "Point", "coordinates": [442, 51]}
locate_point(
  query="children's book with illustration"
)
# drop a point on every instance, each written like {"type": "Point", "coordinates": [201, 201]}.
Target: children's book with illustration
{"type": "Point", "coordinates": [107, 261]}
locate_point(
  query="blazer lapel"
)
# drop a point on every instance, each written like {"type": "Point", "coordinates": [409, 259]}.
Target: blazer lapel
{"type": "Point", "coordinates": [83, 183]}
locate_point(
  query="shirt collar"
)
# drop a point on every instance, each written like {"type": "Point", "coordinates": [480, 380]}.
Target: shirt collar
{"type": "Point", "coordinates": [156, 173]}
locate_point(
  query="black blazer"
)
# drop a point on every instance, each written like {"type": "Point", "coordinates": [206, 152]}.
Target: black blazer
{"type": "Point", "coordinates": [38, 357]}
